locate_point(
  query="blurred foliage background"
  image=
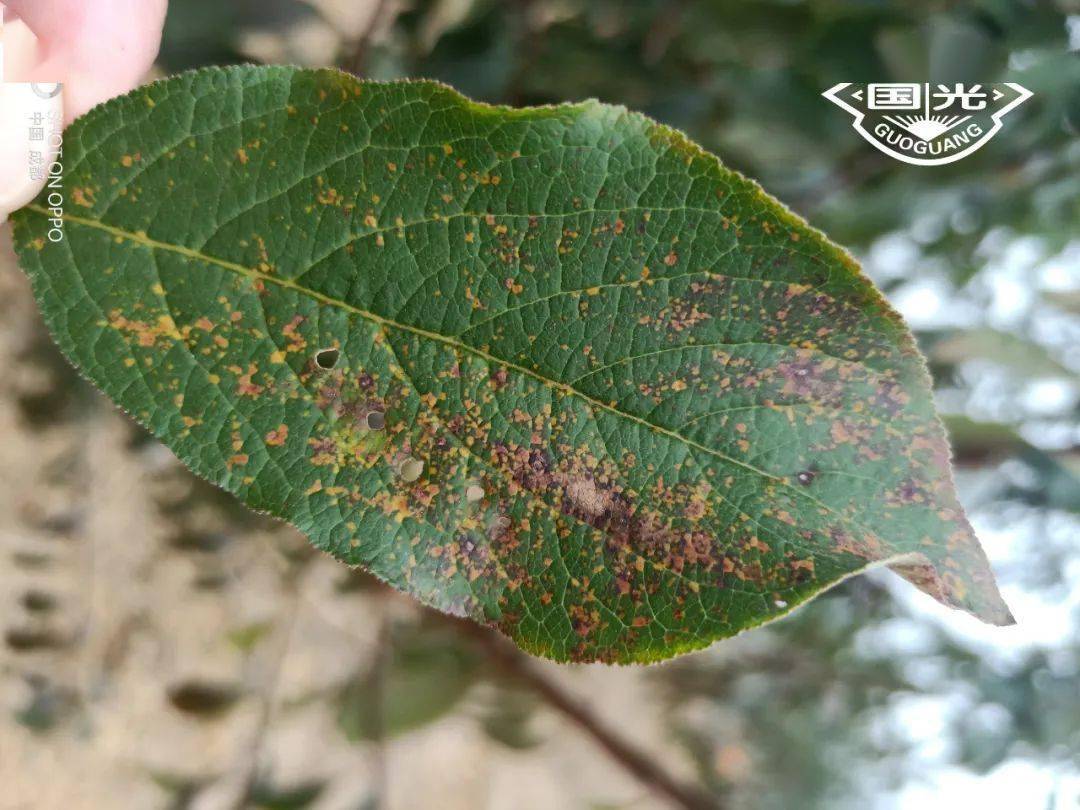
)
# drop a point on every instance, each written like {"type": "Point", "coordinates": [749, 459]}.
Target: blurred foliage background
{"type": "Point", "coordinates": [171, 650]}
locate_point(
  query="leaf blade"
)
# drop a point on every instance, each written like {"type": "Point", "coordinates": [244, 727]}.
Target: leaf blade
{"type": "Point", "coordinates": [622, 391]}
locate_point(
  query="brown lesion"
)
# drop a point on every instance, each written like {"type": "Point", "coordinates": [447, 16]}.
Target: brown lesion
{"type": "Point", "coordinates": [634, 536]}
{"type": "Point", "coordinates": [161, 332]}
{"type": "Point", "coordinates": [865, 545]}
{"type": "Point", "coordinates": [961, 578]}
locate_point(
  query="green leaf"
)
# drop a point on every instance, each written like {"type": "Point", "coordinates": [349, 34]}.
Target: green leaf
{"type": "Point", "coordinates": [554, 369]}
{"type": "Point", "coordinates": [427, 674]}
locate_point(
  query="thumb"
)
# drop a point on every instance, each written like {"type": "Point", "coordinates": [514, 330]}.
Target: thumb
{"type": "Point", "coordinates": [97, 49]}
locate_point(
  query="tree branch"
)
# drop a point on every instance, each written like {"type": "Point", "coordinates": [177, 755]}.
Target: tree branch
{"type": "Point", "coordinates": [632, 759]}
{"type": "Point", "coordinates": [355, 60]}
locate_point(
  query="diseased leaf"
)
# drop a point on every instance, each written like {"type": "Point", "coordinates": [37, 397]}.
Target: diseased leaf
{"type": "Point", "coordinates": [554, 369]}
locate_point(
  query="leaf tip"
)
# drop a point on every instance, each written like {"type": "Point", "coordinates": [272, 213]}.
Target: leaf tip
{"type": "Point", "coordinates": [973, 591]}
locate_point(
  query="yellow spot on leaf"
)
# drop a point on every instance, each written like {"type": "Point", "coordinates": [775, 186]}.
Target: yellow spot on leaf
{"type": "Point", "coordinates": [83, 196]}
{"type": "Point", "coordinates": [277, 437]}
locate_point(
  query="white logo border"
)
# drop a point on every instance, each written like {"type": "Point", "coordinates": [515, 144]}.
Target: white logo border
{"type": "Point", "coordinates": [832, 94]}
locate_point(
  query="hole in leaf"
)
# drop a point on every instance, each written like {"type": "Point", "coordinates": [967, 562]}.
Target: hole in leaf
{"type": "Point", "coordinates": [326, 359]}
{"type": "Point", "coordinates": [376, 420]}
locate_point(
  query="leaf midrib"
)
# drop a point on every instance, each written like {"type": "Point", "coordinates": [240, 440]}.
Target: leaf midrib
{"type": "Point", "coordinates": [389, 323]}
